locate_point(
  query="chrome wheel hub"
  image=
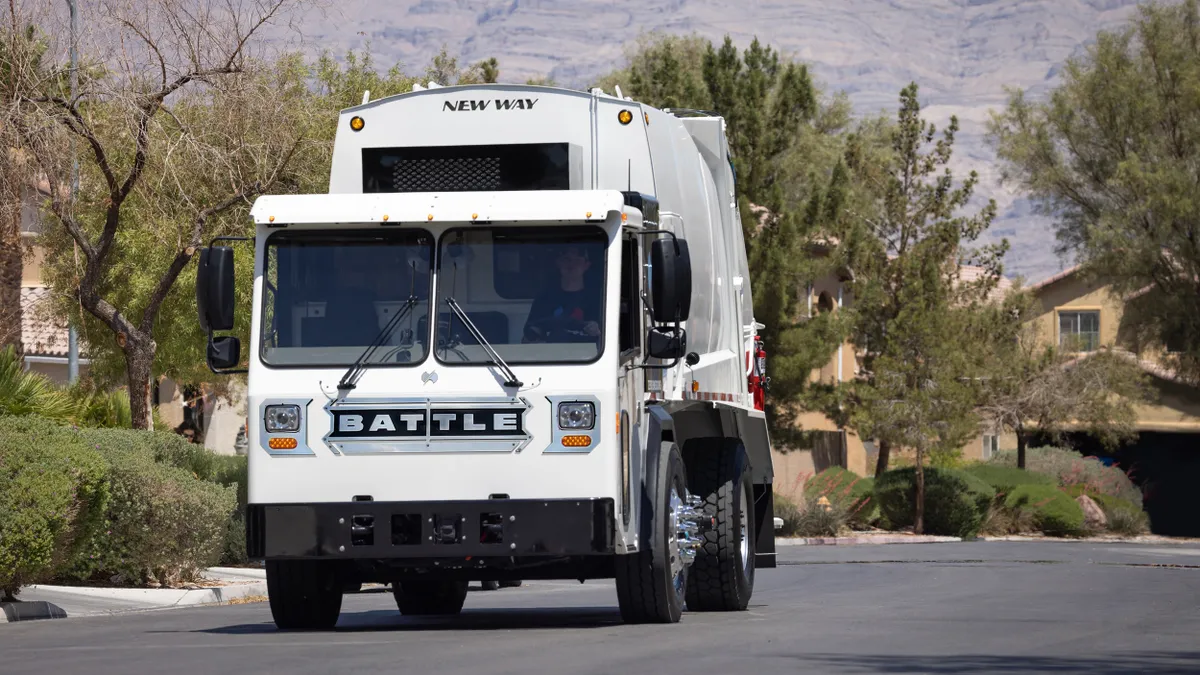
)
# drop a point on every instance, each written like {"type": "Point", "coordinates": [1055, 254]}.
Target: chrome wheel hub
{"type": "Point", "coordinates": [688, 522]}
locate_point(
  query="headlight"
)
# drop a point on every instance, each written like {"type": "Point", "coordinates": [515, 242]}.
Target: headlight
{"type": "Point", "coordinates": [282, 418]}
{"type": "Point", "coordinates": [579, 415]}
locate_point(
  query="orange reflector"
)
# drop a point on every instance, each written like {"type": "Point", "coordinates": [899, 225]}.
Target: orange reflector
{"type": "Point", "coordinates": [618, 423]}
{"type": "Point", "coordinates": [429, 217]}
{"type": "Point", "coordinates": [695, 386]}
{"type": "Point", "coordinates": [385, 217]}
{"type": "Point", "coordinates": [282, 444]}
{"type": "Point", "coordinates": [576, 441]}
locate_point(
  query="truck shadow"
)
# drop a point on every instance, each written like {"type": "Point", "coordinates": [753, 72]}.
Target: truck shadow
{"type": "Point", "coordinates": [470, 620]}
{"type": "Point", "coordinates": [1154, 663]}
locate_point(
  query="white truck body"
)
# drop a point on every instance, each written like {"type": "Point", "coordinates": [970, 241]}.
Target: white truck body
{"type": "Point", "coordinates": [442, 176]}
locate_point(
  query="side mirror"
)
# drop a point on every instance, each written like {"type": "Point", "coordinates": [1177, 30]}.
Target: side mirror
{"type": "Point", "coordinates": [670, 280]}
{"type": "Point", "coordinates": [214, 288]}
{"type": "Point", "coordinates": [666, 343]}
{"type": "Point", "coordinates": [224, 352]}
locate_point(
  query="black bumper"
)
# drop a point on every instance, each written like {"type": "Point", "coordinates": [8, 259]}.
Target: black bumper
{"type": "Point", "coordinates": [399, 530]}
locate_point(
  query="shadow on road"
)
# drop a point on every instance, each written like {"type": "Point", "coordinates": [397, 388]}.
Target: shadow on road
{"type": "Point", "coordinates": [469, 620]}
{"type": "Point", "coordinates": [1154, 663]}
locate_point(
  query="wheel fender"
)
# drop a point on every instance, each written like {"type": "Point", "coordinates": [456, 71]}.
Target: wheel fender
{"type": "Point", "coordinates": [657, 451]}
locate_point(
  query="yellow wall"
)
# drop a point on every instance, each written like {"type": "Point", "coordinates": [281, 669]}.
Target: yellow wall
{"type": "Point", "coordinates": [31, 268]}
{"type": "Point", "coordinates": [1073, 294]}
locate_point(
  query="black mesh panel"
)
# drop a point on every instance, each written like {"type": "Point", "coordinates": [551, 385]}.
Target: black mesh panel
{"type": "Point", "coordinates": [543, 166]}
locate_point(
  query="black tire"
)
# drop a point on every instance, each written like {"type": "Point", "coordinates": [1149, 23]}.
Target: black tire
{"type": "Point", "coordinates": [646, 589]}
{"type": "Point", "coordinates": [721, 579]}
{"type": "Point", "coordinates": [303, 594]}
{"type": "Point", "coordinates": [430, 598]}
{"type": "Point", "coordinates": [492, 585]}
{"type": "Point", "coordinates": [516, 583]}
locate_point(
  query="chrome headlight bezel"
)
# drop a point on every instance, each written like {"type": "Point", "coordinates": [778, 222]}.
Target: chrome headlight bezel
{"type": "Point", "coordinates": [576, 415]}
{"type": "Point", "coordinates": [282, 419]}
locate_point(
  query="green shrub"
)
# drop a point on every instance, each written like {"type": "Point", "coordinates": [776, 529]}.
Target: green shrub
{"type": "Point", "coordinates": [789, 512]}
{"type": "Point", "coordinates": [1124, 517]}
{"type": "Point", "coordinates": [26, 393]}
{"type": "Point", "coordinates": [231, 470]}
{"type": "Point", "coordinates": [1054, 512]}
{"type": "Point", "coordinates": [165, 521]}
{"type": "Point", "coordinates": [1071, 468]}
{"type": "Point", "coordinates": [852, 493]}
{"type": "Point", "coordinates": [955, 501]}
{"type": "Point", "coordinates": [53, 494]}
{"type": "Point", "coordinates": [1004, 479]}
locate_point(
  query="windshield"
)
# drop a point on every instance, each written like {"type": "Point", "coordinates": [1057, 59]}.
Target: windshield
{"type": "Point", "coordinates": [535, 294]}
{"type": "Point", "coordinates": [326, 296]}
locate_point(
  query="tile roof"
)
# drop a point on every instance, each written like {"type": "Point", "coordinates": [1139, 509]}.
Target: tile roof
{"type": "Point", "coordinates": [1057, 277]}
{"type": "Point", "coordinates": [42, 333]}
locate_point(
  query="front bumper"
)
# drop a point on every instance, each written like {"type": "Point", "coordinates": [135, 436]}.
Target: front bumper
{"type": "Point", "coordinates": [431, 529]}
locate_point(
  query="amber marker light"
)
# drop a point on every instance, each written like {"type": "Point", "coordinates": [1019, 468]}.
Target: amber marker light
{"type": "Point", "coordinates": [576, 441]}
{"type": "Point", "coordinates": [282, 443]}
{"type": "Point", "coordinates": [624, 117]}
{"type": "Point", "coordinates": [357, 123]}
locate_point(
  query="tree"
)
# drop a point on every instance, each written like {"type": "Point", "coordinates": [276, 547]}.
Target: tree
{"type": "Point", "coordinates": [785, 143]}
{"type": "Point", "coordinates": [1035, 386]}
{"type": "Point", "coordinates": [911, 308]}
{"type": "Point", "coordinates": [24, 53]}
{"type": "Point", "coordinates": [168, 154]}
{"type": "Point", "coordinates": [1113, 153]}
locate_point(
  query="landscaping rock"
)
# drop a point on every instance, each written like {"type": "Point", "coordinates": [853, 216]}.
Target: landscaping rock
{"type": "Point", "coordinates": [1093, 515]}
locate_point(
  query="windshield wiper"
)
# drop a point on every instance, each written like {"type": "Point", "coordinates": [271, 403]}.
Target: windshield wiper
{"type": "Point", "coordinates": [487, 346]}
{"type": "Point", "coordinates": [356, 370]}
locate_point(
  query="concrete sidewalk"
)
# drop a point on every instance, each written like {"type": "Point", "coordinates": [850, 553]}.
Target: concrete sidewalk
{"type": "Point", "coordinates": [57, 602]}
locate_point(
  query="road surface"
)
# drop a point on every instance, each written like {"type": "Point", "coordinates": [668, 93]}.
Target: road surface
{"type": "Point", "coordinates": [994, 607]}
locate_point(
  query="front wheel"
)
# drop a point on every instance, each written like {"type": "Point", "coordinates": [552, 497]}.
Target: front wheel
{"type": "Point", "coordinates": [303, 594]}
{"type": "Point", "coordinates": [722, 577]}
{"type": "Point", "coordinates": [651, 582]}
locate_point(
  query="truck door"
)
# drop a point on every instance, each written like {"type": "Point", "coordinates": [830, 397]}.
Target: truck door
{"type": "Point", "coordinates": [631, 382]}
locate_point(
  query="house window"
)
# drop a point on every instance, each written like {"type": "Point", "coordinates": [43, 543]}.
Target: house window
{"type": "Point", "coordinates": [1079, 331]}
{"type": "Point", "coordinates": [991, 445]}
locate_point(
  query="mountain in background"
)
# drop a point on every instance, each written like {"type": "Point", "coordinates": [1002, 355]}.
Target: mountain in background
{"type": "Point", "coordinates": [962, 53]}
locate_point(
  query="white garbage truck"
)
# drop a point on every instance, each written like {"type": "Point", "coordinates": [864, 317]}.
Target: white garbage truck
{"type": "Point", "coordinates": [515, 340]}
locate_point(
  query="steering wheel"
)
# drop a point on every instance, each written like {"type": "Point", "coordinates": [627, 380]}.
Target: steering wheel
{"type": "Point", "coordinates": [541, 329]}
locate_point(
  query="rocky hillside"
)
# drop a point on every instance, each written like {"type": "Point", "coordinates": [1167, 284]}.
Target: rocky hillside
{"type": "Point", "coordinates": [961, 52]}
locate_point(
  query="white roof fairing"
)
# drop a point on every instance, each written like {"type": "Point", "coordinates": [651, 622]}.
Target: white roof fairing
{"type": "Point", "coordinates": [418, 207]}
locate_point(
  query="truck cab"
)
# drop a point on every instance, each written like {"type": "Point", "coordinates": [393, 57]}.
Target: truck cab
{"type": "Point", "coordinates": [514, 340]}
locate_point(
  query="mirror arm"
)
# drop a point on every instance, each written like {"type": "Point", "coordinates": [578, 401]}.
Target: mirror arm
{"type": "Point", "coordinates": [208, 362]}
{"type": "Point", "coordinates": [674, 240]}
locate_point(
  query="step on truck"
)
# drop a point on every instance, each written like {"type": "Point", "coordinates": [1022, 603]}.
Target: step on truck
{"type": "Point", "coordinates": [515, 340]}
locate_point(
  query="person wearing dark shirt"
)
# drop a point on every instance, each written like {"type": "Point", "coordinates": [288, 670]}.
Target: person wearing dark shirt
{"type": "Point", "coordinates": [568, 311]}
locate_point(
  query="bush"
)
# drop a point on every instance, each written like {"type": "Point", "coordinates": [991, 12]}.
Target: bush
{"type": "Point", "coordinates": [53, 494]}
{"type": "Point", "coordinates": [1054, 512]}
{"type": "Point", "coordinates": [165, 522]}
{"type": "Point", "coordinates": [852, 493]}
{"type": "Point", "coordinates": [232, 471]}
{"type": "Point", "coordinates": [1124, 517]}
{"type": "Point", "coordinates": [1070, 468]}
{"type": "Point", "coordinates": [25, 393]}
{"type": "Point", "coordinates": [1004, 479]}
{"type": "Point", "coordinates": [789, 512]}
{"type": "Point", "coordinates": [955, 501]}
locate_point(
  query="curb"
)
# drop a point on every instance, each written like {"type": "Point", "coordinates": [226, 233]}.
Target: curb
{"type": "Point", "coordinates": [147, 598]}
{"type": "Point", "coordinates": [864, 540]}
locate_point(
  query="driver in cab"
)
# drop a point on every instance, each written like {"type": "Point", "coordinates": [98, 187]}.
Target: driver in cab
{"type": "Point", "coordinates": [568, 311]}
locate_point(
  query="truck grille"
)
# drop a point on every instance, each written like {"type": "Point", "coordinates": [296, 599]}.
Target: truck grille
{"type": "Point", "coordinates": [467, 168]}
{"type": "Point", "coordinates": [447, 174]}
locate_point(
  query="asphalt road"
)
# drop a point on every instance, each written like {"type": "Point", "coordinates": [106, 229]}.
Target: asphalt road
{"type": "Point", "coordinates": [997, 607]}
